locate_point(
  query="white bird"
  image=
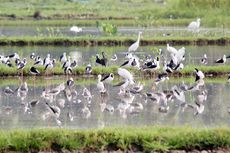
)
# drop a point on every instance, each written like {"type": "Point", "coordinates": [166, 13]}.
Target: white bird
{"type": "Point", "coordinates": [194, 26]}
{"type": "Point", "coordinates": [126, 75]}
{"type": "Point", "coordinates": [100, 85]}
{"type": "Point", "coordinates": [171, 50]}
{"type": "Point", "coordinates": [180, 55]}
{"type": "Point", "coordinates": [75, 29]}
{"type": "Point", "coordinates": [135, 45]}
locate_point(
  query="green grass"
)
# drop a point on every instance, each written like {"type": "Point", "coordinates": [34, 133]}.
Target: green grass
{"type": "Point", "coordinates": [143, 139]}
{"type": "Point", "coordinates": [80, 70]}
{"type": "Point", "coordinates": [111, 40]}
{"type": "Point", "coordinates": [213, 13]}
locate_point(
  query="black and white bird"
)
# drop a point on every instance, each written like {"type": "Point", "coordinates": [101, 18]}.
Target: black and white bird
{"type": "Point", "coordinates": [50, 65]}
{"type": "Point", "coordinates": [34, 71]}
{"type": "Point", "coordinates": [204, 59]}
{"type": "Point", "coordinates": [68, 70]}
{"type": "Point", "coordinates": [73, 64]}
{"type": "Point", "coordinates": [102, 61]}
{"type": "Point", "coordinates": [108, 78]}
{"type": "Point", "coordinates": [166, 68]}
{"type": "Point", "coordinates": [38, 61]}
{"type": "Point", "coordinates": [63, 58]}
{"type": "Point", "coordinates": [199, 74]}
{"type": "Point", "coordinates": [46, 60]}
{"type": "Point", "coordinates": [14, 56]}
{"type": "Point", "coordinates": [221, 60]}
{"type": "Point", "coordinates": [88, 69]}
{"type": "Point", "coordinates": [67, 63]}
{"type": "Point", "coordinates": [152, 66]}
{"type": "Point", "coordinates": [21, 64]}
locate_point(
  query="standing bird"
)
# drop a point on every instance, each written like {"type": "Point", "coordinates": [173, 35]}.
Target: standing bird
{"type": "Point", "coordinates": [46, 60]}
{"type": "Point", "coordinates": [135, 45]}
{"type": "Point", "coordinates": [221, 60]}
{"type": "Point", "coordinates": [199, 75]}
{"type": "Point", "coordinates": [204, 60]}
{"type": "Point", "coordinates": [21, 65]}
{"type": "Point", "coordinates": [194, 26]}
{"type": "Point", "coordinates": [63, 58]}
{"type": "Point", "coordinates": [38, 61]}
{"type": "Point", "coordinates": [50, 65]}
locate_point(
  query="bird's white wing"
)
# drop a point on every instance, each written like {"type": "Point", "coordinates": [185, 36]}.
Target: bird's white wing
{"type": "Point", "coordinates": [133, 47]}
{"type": "Point", "coordinates": [180, 54]}
{"type": "Point", "coordinates": [192, 25]}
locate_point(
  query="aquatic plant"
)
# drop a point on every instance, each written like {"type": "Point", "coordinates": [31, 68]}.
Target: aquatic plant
{"type": "Point", "coordinates": [141, 139]}
{"type": "Point", "coordinates": [107, 28]}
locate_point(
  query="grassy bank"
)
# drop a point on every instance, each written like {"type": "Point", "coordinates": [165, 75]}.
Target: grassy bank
{"type": "Point", "coordinates": [211, 71]}
{"type": "Point", "coordinates": [143, 139]}
{"type": "Point", "coordinates": [112, 41]}
{"type": "Point", "coordinates": [141, 13]}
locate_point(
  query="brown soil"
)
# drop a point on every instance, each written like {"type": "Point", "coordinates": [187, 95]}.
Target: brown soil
{"type": "Point", "coordinates": [128, 42]}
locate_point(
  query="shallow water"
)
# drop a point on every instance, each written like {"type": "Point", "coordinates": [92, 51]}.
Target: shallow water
{"type": "Point", "coordinates": [85, 55]}
{"type": "Point", "coordinates": [121, 31]}
{"type": "Point", "coordinates": [16, 111]}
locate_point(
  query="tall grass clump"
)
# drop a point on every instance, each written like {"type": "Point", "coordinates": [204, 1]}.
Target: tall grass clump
{"type": "Point", "coordinates": [141, 139]}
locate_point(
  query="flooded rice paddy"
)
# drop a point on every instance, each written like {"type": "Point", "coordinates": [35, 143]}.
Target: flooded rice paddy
{"type": "Point", "coordinates": [84, 55]}
{"type": "Point", "coordinates": [121, 31]}
{"type": "Point", "coordinates": [38, 105]}
{"type": "Point", "coordinates": [28, 108]}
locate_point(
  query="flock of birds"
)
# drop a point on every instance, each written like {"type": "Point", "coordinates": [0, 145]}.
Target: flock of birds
{"type": "Point", "coordinates": [128, 88]}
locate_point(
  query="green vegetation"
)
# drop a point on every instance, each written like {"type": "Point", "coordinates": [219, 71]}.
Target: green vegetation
{"type": "Point", "coordinates": [213, 13]}
{"type": "Point", "coordinates": [140, 139]}
{"type": "Point", "coordinates": [80, 70]}
{"type": "Point", "coordinates": [111, 41]}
